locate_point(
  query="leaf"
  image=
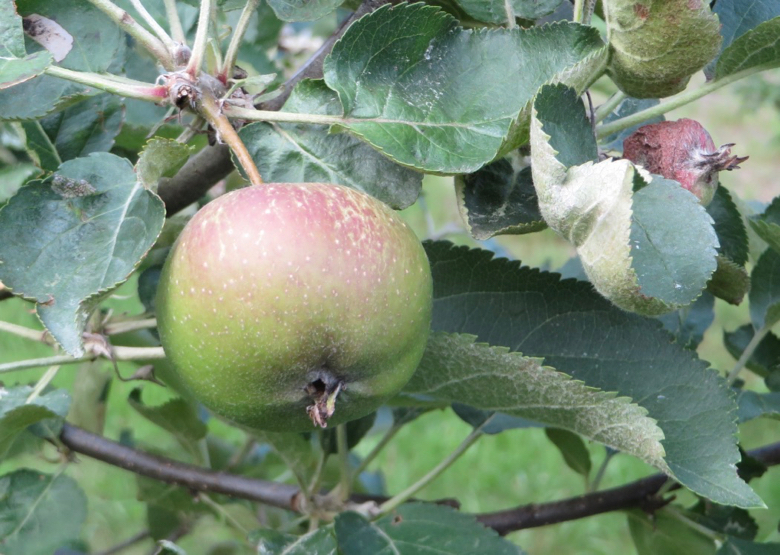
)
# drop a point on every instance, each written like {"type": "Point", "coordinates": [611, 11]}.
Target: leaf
{"type": "Point", "coordinates": [737, 17]}
{"type": "Point", "coordinates": [11, 31]}
{"type": "Point", "coordinates": [81, 20]}
{"type": "Point", "coordinates": [729, 226]}
{"type": "Point", "coordinates": [294, 449]}
{"type": "Point", "coordinates": [16, 415]}
{"type": "Point", "coordinates": [272, 542]}
{"type": "Point", "coordinates": [67, 252]}
{"type": "Point", "coordinates": [499, 199]}
{"type": "Point", "coordinates": [160, 158]}
{"type": "Point", "coordinates": [301, 153]}
{"type": "Point", "coordinates": [767, 225]}
{"type": "Point", "coordinates": [303, 10]}
{"type": "Point", "coordinates": [727, 520]}
{"type": "Point", "coordinates": [580, 333]}
{"type": "Point", "coordinates": [167, 547]}
{"type": "Point", "coordinates": [456, 369]}
{"type": "Point", "coordinates": [419, 528]}
{"type": "Point", "coordinates": [689, 323]}
{"type": "Point", "coordinates": [356, 430]}
{"type": "Point", "coordinates": [766, 356]}
{"type": "Point", "coordinates": [498, 12]}
{"type": "Point", "coordinates": [442, 99]}
{"type": "Point", "coordinates": [651, 57]}
{"type": "Point", "coordinates": [627, 107]}
{"type": "Point", "coordinates": [765, 290]}
{"type": "Point", "coordinates": [13, 177]}
{"type": "Point", "coordinates": [39, 512]}
{"type": "Point", "coordinates": [18, 70]}
{"type": "Point", "coordinates": [175, 416]}
{"type": "Point", "coordinates": [755, 405]}
{"type": "Point", "coordinates": [758, 48]}
{"type": "Point", "coordinates": [735, 546]}
{"type": "Point", "coordinates": [729, 282]}
{"type": "Point", "coordinates": [575, 452]}
{"type": "Point", "coordinates": [628, 241]}
{"type": "Point", "coordinates": [86, 127]}
{"type": "Point", "coordinates": [663, 533]}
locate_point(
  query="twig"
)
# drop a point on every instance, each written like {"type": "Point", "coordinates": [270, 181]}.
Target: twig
{"type": "Point", "coordinates": [238, 35]}
{"type": "Point", "coordinates": [177, 31]}
{"type": "Point", "coordinates": [201, 38]}
{"type": "Point", "coordinates": [158, 30]}
{"type": "Point", "coordinates": [124, 87]}
{"type": "Point", "coordinates": [129, 542]}
{"type": "Point", "coordinates": [114, 328]}
{"type": "Point", "coordinates": [748, 352]}
{"type": "Point", "coordinates": [22, 331]}
{"type": "Point", "coordinates": [119, 353]}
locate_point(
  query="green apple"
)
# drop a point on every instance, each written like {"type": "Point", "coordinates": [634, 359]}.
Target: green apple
{"type": "Point", "coordinates": [288, 306]}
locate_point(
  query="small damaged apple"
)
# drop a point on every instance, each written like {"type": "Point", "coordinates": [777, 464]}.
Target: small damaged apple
{"type": "Point", "coordinates": [289, 306]}
{"type": "Point", "coordinates": [681, 150]}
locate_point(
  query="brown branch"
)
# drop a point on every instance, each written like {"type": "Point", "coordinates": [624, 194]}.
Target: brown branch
{"type": "Point", "coordinates": [213, 163]}
{"type": "Point", "coordinates": [641, 493]}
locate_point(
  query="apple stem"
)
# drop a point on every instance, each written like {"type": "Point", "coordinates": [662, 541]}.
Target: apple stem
{"type": "Point", "coordinates": [343, 449]}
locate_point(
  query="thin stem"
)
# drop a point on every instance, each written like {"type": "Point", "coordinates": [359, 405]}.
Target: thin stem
{"type": "Point", "coordinates": [132, 540]}
{"type": "Point", "coordinates": [211, 112]}
{"type": "Point", "coordinates": [579, 10]}
{"type": "Point", "coordinates": [747, 353]}
{"type": "Point", "coordinates": [283, 117]}
{"type": "Point", "coordinates": [177, 31]}
{"type": "Point", "coordinates": [594, 485]}
{"type": "Point", "coordinates": [218, 508]}
{"type": "Point", "coordinates": [120, 353]}
{"type": "Point", "coordinates": [191, 130]}
{"type": "Point", "coordinates": [158, 30]}
{"type": "Point", "coordinates": [238, 35]}
{"type": "Point", "coordinates": [42, 383]}
{"type": "Point", "coordinates": [608, 107]}
{"type": "Point", "coordinates": [319, 472]}
{"type": "Point", "coordinates": [114, 328]}
{"type": "Point", "coordinates": [400, 498]}
{"type": "Point", "coordinates": [389, 435]}
{"type": "Point", "coordinates": [21, 331]}
{"type": "Point", "coordinates": [703, 530]}
{"type": "Point", "coordinates": [511, 22]}
{"type": "Point", "coordinates": [682, 99]}
{"type": "Point", "coordinates": [135, 30]}
{"type": "Point", "coordinates": [123, 87]}
{"type": "Point", "coordinates": [343, 449]}
{"type": "Point", "coordinates": [201, 38]}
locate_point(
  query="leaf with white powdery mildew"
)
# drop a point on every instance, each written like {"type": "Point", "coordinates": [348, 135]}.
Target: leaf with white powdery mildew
{"type": "Point", "coordinates": [160, 158]}
{"type": "Point", "coordinates": [756, 49]}
{"type": "Point", "coordinates": [578, 332]}
{"type": "Point", "coordinates": [456, 369]}
{"type": "Point", "coordinates": [436, 97]}
{"type": "Point", "coordinates": [71, 239]}
{"type": "Point", "coordinates": [648, 251]}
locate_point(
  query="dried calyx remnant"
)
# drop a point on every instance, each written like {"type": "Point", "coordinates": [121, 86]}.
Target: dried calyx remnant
{"type": "Point", "coordinates": [681, 150]}
{"type": "Point", "coordinates": [323, 391]}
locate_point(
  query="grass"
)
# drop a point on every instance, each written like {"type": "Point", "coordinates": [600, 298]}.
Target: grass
{"type": "Point", "coordinates": [512, 468]}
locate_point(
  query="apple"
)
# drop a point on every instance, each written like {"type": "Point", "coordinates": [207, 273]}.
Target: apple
{"type": "Point", "coordinates": [287, 306]}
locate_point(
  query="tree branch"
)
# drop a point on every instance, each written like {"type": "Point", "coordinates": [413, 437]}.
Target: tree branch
{"type": "Point", "coordinates": [213, 163]}
{"type": "Point", "coordinates": [641, 493]}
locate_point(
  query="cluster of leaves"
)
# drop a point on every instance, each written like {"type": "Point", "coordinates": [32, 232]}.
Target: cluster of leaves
{"type": "Point", "coordinates": [409, 90]}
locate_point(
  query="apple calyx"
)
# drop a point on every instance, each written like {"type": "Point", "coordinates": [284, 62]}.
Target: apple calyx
{"type": "Point", "coordinates": [323, 391]}
{"type": "Point", "coordinates": [682, 150]}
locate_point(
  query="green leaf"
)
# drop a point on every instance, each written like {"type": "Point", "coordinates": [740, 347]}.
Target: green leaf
{"type": "Point", "coordinates": [272, 542]}
{"type": "Point", "coordinates": [16, 415]}
{"type": "Point", "coordinates": [765, 290]}
{"type": "Point", "coordinates": [39, 512]}
{"type": "Point", "coordinates": [575, 452]}
{"type": "Point", "coordinates": [18, 70]}
{"type": "Point", "coordinates": [735, 546]}
{"type": "Point", "coordinates": [627, 107]}
{"type": "Point", "coordinates": [11, 31]}
{"type": "Point", "coordinates": [86, 127]}
{"type": "Point", "coordinates": [68, 249]}
{"type": "Point", "coordinates": [580, 333]}
{"type": "Point", "coordinates": [767, 225]}
{"type": "Point", "coordinates": [294, 449]}
{"type": "Point", "coordinates": [499, 199]}
{"type": "Point", "coordinates": [755, 405]}
{"type": "Point", "coordinates": [756, 49]}
{"type": "Point", "coordinates": [175, 416]}
{"type": "Point", "coordinates": [689, 323]}
{"type": "Point", "coordinates": [456, 369]}
{"type": "Point", "coordinates": [663, 533]}
{"type": "Point", "coordinates": [498, 12]}
{"type": "Point", "coordinates": [433, 96]}
{"type": "Point", "coordinates": [419, 528]}
{"type": "Point", "coordinates": [303, 10]}
{"type": "Point", "coordinates": [13, 177]}
{"type": "Point", "coordinates": [627, 240]}
{"type": "Point", "coordinates": [737, 17]}
{"type": "Point", "coordinates": [167, 547]}
{"type": "Point", "coordinates": [81, 20]}
{"type": "Point", "coordinates": [765, 358]}
{"type": "Point", "coordinates": [729, 282]}
{"type": "Point", "coordinates": [300, 153]}
{"type": "Point", "coordinates": [160, 158]}
{"type": "Point", "coordinates": [649, 56]}
{"type": "Point", "coordinates": [727, 520]}
{"type": "Point", "coordinates": [729, 226]}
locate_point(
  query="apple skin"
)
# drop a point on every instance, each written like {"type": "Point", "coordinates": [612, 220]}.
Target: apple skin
{"type": "Point", "coordinates": [274, 290]}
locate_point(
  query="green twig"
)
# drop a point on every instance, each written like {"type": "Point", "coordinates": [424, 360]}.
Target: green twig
{"type": "Point", "coordinates": [45, 380]}
{"type": "Point", "coordinates": [114, 328]}
{"type": "Point", "coordinates": [402, 497]}
{"type": "Point", "coordinates": [747, 353]}
{"type": "Point", "coordinates": [594, 485]}
{"type": "Point", "coordinates": [609, 106]}
{"type": "Point", "coordinates": [249, 114]}
{"type": "Point", "coordinates": [177, 31]}
{"type": "Point", "coordinates": [158, 30]}
{"type": "Point", "coordinates": [345, 482]}
{"type": "Point", "coordinates": [120, 353]}
{"type": "Point", "coordinates": [389, 435]}
{"type": "Point", "coordinates": [135, 30]}
{"type": "Point", "coordinates": [238, 35]}
{"type": "Point", "coordinates": [123, 87]}
{"type": "Point", "coordinates": [21, 331]}
{"type": "Point", "coordinates": [201, 38]}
